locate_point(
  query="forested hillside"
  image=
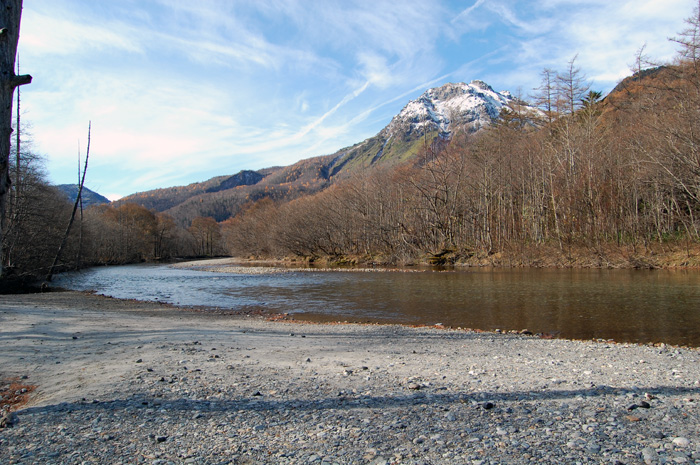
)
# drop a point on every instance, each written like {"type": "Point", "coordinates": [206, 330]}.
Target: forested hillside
{"type": "Point", "coordinates": [87, 196]}
{"type": "Point", "coordinates": [436, 114]}
{"type": "Point", "coordinates": [591, 182]}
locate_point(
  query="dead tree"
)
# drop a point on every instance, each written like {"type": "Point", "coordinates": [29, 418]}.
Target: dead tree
{"type": "Point", "coordinates": [78, 201]}
{"type": "Point", "coordinates": [10, 15]}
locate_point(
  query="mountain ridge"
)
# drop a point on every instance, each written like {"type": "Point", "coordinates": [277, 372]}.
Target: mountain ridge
{"type": "Point", "coordinates": [88, 196]}
{"type": "Point", "coordinates": [437, 113]}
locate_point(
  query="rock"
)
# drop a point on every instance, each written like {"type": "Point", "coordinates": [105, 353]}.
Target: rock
{"type": "Point", "coordinates": [592, 448]}
{"type": "Point", "coordinates": [7, 419]}
{"type": "Point", "coordinates": [488, 405]}
{"type": "Point", "coordinates": [681, 442]}
{"type": "Point", "coordinates": [650, 456]}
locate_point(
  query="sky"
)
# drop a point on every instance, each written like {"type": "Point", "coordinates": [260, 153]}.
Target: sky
{"type": "Point", "coordinates": [179, 91]}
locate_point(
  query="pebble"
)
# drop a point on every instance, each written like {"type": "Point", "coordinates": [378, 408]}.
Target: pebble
{"type": "Point", "coordinates": [681, 442]}
{"type": "Point", "coordinates": [451, 402]}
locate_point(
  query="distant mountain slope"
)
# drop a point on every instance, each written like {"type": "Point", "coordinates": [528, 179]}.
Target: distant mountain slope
{"type": "Point", "coordinates": [304, 177]}
{"type": "Point", "coordinates": [89, 197]}
{"type": "Point", "coordinates": [438, 112]}
{"type": "Point", "coordinates": [166, 198]}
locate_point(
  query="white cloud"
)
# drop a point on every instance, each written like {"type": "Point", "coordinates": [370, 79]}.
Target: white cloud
{"type": "Point", "coordinates": [53, 34]}
{"type": "Point", "coordinates": [465, 14]}
{"type": "Point", "coordinates": [375, 69]}
{"type": "Point", "coordinates": [604, 34]}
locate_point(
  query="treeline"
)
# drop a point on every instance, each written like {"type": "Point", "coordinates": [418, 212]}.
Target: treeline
{"type": "Point", "coordinates": [37, 216]}
{"type": "Point", "coordinates": [130, 233]}
{"type": "Point", "coordinates": [35, 220]}
{"type": "Point", "coordinates": [583, 181]}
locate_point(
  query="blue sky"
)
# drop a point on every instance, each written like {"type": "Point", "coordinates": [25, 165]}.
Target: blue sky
{"type": "Point", "coordinates": [179, 91]}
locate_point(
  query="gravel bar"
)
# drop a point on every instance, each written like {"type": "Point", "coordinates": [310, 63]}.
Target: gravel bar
{"type": "Point", "coordinates": [125, 382]}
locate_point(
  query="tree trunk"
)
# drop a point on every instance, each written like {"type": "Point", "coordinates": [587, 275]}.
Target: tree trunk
{"type": "Point", "coordinates": [10, 14]}
{"type": "Point", "coordinates": [78, 201]}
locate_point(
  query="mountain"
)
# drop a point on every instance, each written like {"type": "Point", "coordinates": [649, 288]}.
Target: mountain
{"type": "Point", "coordinates": [470, 106]}
{"type": "Point", "coordinates": [89, 197]}
{"type": "Point", "coordinates": [437, 113]}
{"type": "Point", "coordinates": [164, 199]}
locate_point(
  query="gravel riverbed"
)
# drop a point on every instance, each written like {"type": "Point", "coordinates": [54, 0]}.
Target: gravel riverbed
{"type": "Point", "coordinates": [132, 382]}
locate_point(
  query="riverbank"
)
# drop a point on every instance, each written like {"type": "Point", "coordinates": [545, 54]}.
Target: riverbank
{"type": "Point", "coordinates": [671, 254]}
{"type": "Point", "coordinates": [133, 382]}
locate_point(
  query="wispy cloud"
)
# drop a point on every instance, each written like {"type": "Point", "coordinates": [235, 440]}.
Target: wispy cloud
{"type": "Point", "coordinates": [510, 17]}
{"type": "Point", "coordinates": [465, 14]}
{"type": "Point", "coordinates": [57, 35]}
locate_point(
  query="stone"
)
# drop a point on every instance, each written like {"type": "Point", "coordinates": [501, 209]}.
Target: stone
{"type": "Point", "coordinates": [681, 442]}
{"type": "Point", "coordinates": [7, 419]}
{"type": "Point", "coordinates": [650, 456]}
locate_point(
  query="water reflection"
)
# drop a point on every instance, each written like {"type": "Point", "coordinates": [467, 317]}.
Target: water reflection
{"type": "Point", "coordinates": [624, 305]}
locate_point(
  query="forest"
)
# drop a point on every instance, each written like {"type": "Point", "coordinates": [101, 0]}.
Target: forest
{"type": "Point", "coordinates": [585, 181]}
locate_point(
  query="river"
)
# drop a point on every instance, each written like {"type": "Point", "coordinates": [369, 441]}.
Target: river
{"type": "Point", "coordinates": [622, 305]}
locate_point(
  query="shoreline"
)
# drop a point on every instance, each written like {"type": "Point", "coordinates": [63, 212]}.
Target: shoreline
{"type": "Point", "coordinates": [134, 381]}
{"type": "Point", "coordinates": [666, 260]}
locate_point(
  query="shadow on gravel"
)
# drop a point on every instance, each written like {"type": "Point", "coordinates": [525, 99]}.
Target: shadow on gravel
{"type": "Point", "coordinates": [486, 401]}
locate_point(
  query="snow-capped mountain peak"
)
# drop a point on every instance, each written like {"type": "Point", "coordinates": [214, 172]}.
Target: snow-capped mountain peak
{"type": "Point", "coordinates": [470, 106]}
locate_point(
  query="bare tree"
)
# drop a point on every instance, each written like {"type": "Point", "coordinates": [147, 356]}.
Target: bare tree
{"type": "Point", "coordinates": [10, 15]}
{"type": "Point", "coordinates": [571, 87]}
{"type": "Point", "coordinates": [545, 95]}
{"type": "Point", "coordinates": [78, 201]}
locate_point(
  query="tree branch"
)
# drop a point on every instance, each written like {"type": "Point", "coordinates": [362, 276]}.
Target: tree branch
{"type": "Point", "coordinates": [16, 81]}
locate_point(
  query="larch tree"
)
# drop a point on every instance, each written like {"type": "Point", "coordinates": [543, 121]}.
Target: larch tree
{"type": "Point", "coordinates": [10, 15]}
{"type": "Point", "coordinates": [571, 87]}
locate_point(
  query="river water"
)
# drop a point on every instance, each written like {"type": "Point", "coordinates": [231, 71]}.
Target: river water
{"type": "Point", "coordinates": [623, 305]}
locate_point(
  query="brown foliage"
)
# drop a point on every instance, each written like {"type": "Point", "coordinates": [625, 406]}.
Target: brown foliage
{"type": "Point", "coordinates": [13, 394]}
{"type": "Point", "coordinates": [596, 186]}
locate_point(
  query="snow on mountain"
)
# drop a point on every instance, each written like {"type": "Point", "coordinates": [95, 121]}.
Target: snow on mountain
{"type": "Point", "coordinates": [438, 112]}
{"type": "Point", "coordinates": [472, 106]}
